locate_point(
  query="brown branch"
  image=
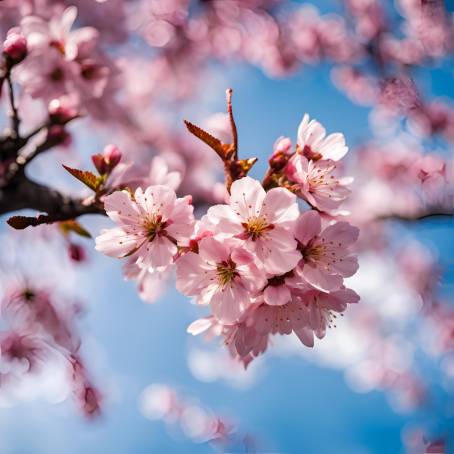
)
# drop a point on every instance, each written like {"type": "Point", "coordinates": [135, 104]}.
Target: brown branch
{"type": "Point", "coordinates": [23, 193]}
{"type": "Point", "coordinates": [432, 213]}
{"type": "Point", "coordinates": [14, 112]}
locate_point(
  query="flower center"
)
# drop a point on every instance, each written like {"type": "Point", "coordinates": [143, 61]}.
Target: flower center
{"type": "Point", "coordinates": [59, 45]}
{"type": "Point", "coordinates": [154, 226]}
{"type": "Point", "coordinates": [312, 251]}
{"type": "Point", "coordinates": [57, 74]}
{"type": "Point", "coordinates": [256, 226]}
{"type": "Point", "coordinates": [226, 272]}
{"type": "Point", "coordinates": [310, 154]}
{"type": "Point", "coordinates": [276, 281]}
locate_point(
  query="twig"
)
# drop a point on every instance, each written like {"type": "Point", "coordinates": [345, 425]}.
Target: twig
{"type": "Point", "coordinates": [14, 112]}
{"type": "Point", "coordinates": [421, 216]}
{"type": "Point", "coordinates": [24, 193]}
{"type": "Point", "coordinates": [232, 123]}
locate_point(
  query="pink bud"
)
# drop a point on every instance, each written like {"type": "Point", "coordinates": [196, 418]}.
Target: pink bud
{"type": "Point", "coordinates": [15, 46]}
{"type": "Point", "coordinates": [61, 110]}
{"type": "Point", "coordinates": [76, 253]}
{"type": "Point", "coordinates": [100, 163]}
{"type": "Point", "coordinates": [90, 402]}
{"type": "Point", "coordinates": [112, 155]}
{"type": "Point", "coordinates": [282, 145]}
{"type": "Point", "coordinates": [59, 134]}
{"type": "Point", "coordinates": [278, 160]}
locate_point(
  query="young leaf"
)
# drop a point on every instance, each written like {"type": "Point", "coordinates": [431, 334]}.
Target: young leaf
{"type": "Point", "coordinates": [73, 226]}
{"type": "Point", "coordinates": [204, 136]}
{"type": "Point", "coordinates": [86, 177]}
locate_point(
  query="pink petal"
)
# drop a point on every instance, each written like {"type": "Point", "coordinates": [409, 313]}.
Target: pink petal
{"type": "Point", "coordinates": [200, 326]}
{"type": "Point", "coordinates": [306, 336]}
{"type": "Point", "coordinates": [246, 197]}
{"type": "Point", "coordinates": [191, 274]}
{"type": "Point", "coordinates": [212, 250]}
{"type": "Point", "coordinates": [309, 225]}
{"type": "Point", "coordinates": [341, 232]}
{"type": "Point", "coordinates": [277, 295]}
{"type": "Point", "coordinates": [319, 279]}
{"type": "Point", "coordinates": [224, 218]}
{"type": "Point", "coordinates": [116, 242]}
{"type": "Point", "coordinates": [280, 206]}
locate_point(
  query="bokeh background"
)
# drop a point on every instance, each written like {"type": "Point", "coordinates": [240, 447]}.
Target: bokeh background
{"type": "Point", "coordinates": [290, 402]}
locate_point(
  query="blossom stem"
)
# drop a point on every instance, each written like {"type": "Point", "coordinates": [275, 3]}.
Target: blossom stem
{"type": "Point", "coordinates": [15, 121]}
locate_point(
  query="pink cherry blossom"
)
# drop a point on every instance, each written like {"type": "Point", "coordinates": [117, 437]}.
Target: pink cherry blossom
{"type": "Point", "coordinates": [324, 306]}
{"type": "Point", "coordinates": [15, 46]}
{"type": "Point", "coordinates": [150, 227]}
{"type": "Point", "coordinates": [21, 352]}
{"type": "Point", "coordinates": [243, 341]}
{"type": "Point", "coordinates": [263, 220]}
{"type": "Point", "coordinates": [326, 256]}
{"type": "Point", "coordinates": [222, 275]}
{"type": "Point", "coordinates": [285, 319]}
{"type": "Point", "coordinates": [62, 61]}
{"type": "Point", "coordinates": [314, 181]}
{"type": "Point", "coordinates": [150, 284]}
{"type": "Point", "coordinates": [277, 291]}
{"type": "Point", "coordinates": [56, 33]}
{"type": "Point", "coordinates": [315, 144]}
{"type": "Point", "coordinates": [133, 175]}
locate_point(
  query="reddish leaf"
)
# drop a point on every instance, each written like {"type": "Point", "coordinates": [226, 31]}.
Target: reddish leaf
{"type": "Point", "coordinates": [86, 177]}
{"type": "Point", "coordinates": [204, 136]}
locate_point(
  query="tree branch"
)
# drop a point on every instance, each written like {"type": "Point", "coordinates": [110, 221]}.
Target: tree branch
{"type": "Point", "coordinates": [432, 213]}
{"type": "Point", "coordinates": [14, 113]}
{"type": "Point", "coordinates": [23, 193]}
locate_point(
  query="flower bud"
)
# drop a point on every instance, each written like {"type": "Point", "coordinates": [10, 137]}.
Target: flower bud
{"type": "Point", "coordinates": [61, 110]}
{"type": "Point", "coordinates": [107, 161]}
{"type": "Point", "coordinates": [283, 145]}
{"type": "Point", "coordinates": [100, 163]}
{"type": "Point", "coordinates": [112, 156]}
{"type": "Point", "coordinates": [281, 153]}
{"type": "Point", "coordinates": [15, 47]}
{"type": "Point", "coordinates": [59, 134]}
{"type": "Point", "coordinates": [76, 253]}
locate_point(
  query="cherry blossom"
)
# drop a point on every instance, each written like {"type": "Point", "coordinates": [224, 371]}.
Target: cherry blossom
{"type": "Point", "coordinates": [272, 272]}
{"type": "Point", "coordinates": [150, 227]}
{"type": "Point", "coordinates": [324, 306]}
{"type": "Point", "coordinates": [326, 258]}
{"type": "Point", "coordinates": [314, 143]}
{"type": "Point", "coordinates": [263, 220]}
{"type": "Point", "coordinates": [57, 34]}
{"type": "Point", "coordinates": [314, 181]}
{"type": "Point", "coordinates": [222, 275]}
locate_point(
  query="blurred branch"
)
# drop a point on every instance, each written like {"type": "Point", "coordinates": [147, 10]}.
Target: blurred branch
{"type": "Point", "coordinates": [14, 113]}
{"type": "Point", "coordinates": [420, 216]}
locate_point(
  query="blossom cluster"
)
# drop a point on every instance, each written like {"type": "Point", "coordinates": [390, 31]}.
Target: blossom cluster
{"type": "Point", "coordinates": [260, 263]}
{"type": "Point", "coordinates": [260, 271]}
{"type": "Point", "coordinates": [198, 423]}
{"type": "Point", "coordinates": [41, 338]}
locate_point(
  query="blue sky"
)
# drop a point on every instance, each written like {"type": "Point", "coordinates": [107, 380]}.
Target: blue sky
{"type": "Point", "coordinates": [295, 406]}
